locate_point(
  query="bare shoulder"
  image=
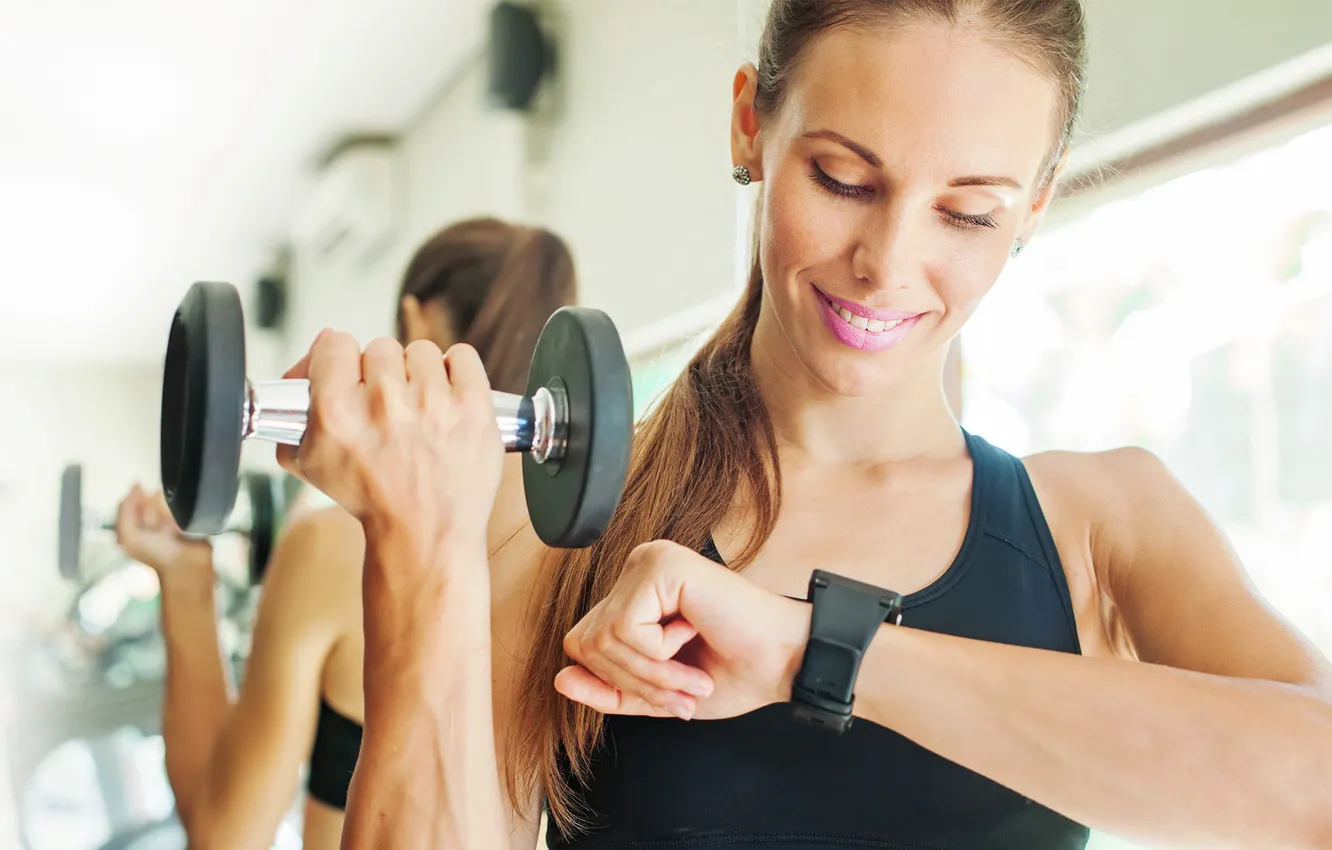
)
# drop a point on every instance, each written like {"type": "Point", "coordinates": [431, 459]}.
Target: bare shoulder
{"type": "Point", "coordinates": [317, 564]}
{"type": "Point", "coordinates": [330, 526]}
{"type": "Point", "coordinates": [1088, 479]}
{"type": "Point", "coordinates": [1090, 501]}
{"type": "Point", "coordinates": [1114, 494]}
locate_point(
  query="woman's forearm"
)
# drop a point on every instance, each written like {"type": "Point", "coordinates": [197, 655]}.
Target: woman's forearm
{"type": "Point", "coordinates": [198, 682]}
{"type": "Point", "coordinates": [427, 774]}
{"type": "Point", "coordinates": [1139, 750]}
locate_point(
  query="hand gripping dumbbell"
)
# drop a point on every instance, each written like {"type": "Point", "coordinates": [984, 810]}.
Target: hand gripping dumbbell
{"type": "Point", "coordinates": [574, 424]}
{"type": "Point", "coordinates": [260, 489]}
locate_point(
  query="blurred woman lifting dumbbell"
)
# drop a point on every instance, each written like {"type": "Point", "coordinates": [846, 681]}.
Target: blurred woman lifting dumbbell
{"type": "Point", "coordinates": [233, 761]}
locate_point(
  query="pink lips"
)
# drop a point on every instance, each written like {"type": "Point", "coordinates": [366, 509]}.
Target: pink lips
{"type": "Point", "coordinates": [864, 340]}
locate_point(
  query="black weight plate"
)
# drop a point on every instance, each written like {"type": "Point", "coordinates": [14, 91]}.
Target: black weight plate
{"type": "Point", "coordinates": [570, 501]}
{"type": "Point", "coordinates": [71, 521]}
{"type": "Point", "coordinates": [203, 396]}
{"type": "Point", "coordinates": [262, 492]}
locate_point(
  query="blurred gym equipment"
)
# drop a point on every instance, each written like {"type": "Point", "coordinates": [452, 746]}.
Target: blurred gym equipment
{"type": "Point", "coordinates": [258, 520]}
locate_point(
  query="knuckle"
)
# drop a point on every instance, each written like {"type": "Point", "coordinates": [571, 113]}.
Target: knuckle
{"type": "Point", "coordinates": [619, 631]}
{"type": "Point", "coordinates": [461, 351]}
{"type": "Point", "coordinates": [651, 555]}
{"type": "Point", "coordinates": [424, 348]}
{"type": "Point", "coordinates": [656, 651]}
{"type": "Point", "coordinates": [324, 404]}
{"type": "Point", "coordinates": [384, 346]}
{"type": "Point", "coordinates": [335, 344]}
{"type": "Point", "coordinates": [603, 640]}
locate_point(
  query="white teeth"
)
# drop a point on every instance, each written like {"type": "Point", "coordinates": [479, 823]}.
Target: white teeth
{"type": "Point", "coordinates": [864, 324]}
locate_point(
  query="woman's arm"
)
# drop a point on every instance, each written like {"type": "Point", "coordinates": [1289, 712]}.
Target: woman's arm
{"type": "Point", "coordinates": [442, 693]}
{"type": "Point", "coordinates": [428, 775]}
{"type": "Point", "coordinates": [247, 758]}
{"type": "Point", "coordinates": [199, 687]}
{"type": "Point", "coordinates": [1224, 735]}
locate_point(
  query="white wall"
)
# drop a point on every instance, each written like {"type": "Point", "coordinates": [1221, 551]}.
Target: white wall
{"type": "Point", "coordinates": [632, 167]}
{"type": "Point", "coordinates": [638, 177]}
{"type": "Point", "coordinates": [461, 159]}
{"type": "Point", "coordinates": [1148, 56]}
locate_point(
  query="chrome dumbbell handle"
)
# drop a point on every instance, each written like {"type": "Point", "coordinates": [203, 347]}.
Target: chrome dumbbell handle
{"type": "Point", "coordinates": [276, 412]}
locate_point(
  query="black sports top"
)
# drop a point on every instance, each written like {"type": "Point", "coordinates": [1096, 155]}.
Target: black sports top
{"type": "Point", "coordinates": [337, 745]}
{"type": "Point", "coordinates": [764, 780]}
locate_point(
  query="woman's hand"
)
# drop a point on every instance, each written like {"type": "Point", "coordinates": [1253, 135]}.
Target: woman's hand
{"type": "Point", "coordinates": [682, 635]}
{"type": "Point", "coordinates": [146, 532]}
{"type": "Point", "coordinates": [403, 440]}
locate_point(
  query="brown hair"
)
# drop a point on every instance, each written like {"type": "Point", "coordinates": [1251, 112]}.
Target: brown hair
{"type": "Point", "coordinates": [710, 438]}
{"type": "Point", "coordinates": [500, 283]}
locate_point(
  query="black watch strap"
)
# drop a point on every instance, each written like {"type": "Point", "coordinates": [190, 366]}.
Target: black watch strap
{"type": "Point", "coordinates": [846, 616]}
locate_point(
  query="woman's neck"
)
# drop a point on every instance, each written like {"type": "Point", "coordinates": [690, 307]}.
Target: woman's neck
{"type": "Point", "coordinates": [911, 420]}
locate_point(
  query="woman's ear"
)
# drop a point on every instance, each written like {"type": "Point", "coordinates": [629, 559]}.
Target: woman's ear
{"type": "Point", "coordinates": [745, 148]}
{"type": "Point", "coordinates": [414, 323]}
{"type": "Point", "coordinates": [1041, 203]}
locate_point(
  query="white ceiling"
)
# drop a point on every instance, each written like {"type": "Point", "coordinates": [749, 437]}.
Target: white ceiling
{"type": "Point", "coordinates": [150, 143]}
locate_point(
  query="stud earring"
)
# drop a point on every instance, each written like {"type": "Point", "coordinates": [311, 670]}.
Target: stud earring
{"type": "Point", "coordinates": [741, 175]}
{"type": "Point", "coordinates": [1017, 247]}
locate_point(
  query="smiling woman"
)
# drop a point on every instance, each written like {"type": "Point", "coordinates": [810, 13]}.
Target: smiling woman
{"type": "Point", "coordinates": [808, 541]}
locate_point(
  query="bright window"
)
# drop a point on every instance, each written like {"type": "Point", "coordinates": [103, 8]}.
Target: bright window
{"type": "Point", "coordinates": [1193, 319]}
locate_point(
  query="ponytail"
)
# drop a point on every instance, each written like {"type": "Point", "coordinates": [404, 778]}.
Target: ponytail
{"type": "Point", "coordinates": [535, 278]}
{"type": "Point", "coordinates": [709, 439]}
{"type": "Point", "coordinates": [500, 283]}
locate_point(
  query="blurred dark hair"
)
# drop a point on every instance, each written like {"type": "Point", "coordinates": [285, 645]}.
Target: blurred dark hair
{"type": "Point", "coordinates": [499, 282]}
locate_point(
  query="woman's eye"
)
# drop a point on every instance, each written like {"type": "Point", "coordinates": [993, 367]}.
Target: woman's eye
{"type": "Point", "coordinates": [967, 222]}
{"type": "Point", "coordinates": [837, 187]}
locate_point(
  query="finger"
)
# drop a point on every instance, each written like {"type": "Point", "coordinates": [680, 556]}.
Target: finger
{"type": "Point", "coordinates": [144, 515]}
{"type": "Point", "coordinates": [286, 458]}
{"type": "Point", "coordinates": [664, 674]}
{"type": "Point", "coordinates": [662, 682]}
{"type": "Point", "coordinates": [127, 511]}
{"type": "Point", "coordinates": [579, 685]}
{"type": "Point", "coordinates": [161, 512]}
{"type": "Point", "coordinates": [467, 374]}
{"type": "Point", "coordinates": [608, 670]}
{"type": "Point", "coordinates": [334, 361]}
{"type": "Point", "coordinates": [384, 372]}
{"type": "Point", "coordinates": [573, 641]}
{"type": "Point", "coordinates": [657, 640]}
{"type": "Point", "coordinates": [301, 368]}
{"type": "Point", "coordinates": [426, 374]}
{"type": "Point", "coordinates": [675, 634]}
{"type": "Point", "coordinates": [335, 377]}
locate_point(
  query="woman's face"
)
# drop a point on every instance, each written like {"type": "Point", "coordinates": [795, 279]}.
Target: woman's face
{"type": "Point", "coordinates": [896, 176]}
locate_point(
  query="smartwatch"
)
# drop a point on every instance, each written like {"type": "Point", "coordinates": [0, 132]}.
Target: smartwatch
{"type": "Point", "coordinates": [846, 617]}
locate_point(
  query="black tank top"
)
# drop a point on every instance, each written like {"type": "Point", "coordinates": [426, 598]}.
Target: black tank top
{"type": "Point", "coordinates": [763, 780]}
{"type": "Point", "coordinates": [337, 745]}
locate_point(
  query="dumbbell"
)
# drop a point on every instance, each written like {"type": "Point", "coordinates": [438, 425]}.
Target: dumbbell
{"type": "Point", "coordinates": [261, 490]}
{"type": "Point", "coordinates": [574, 424]}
